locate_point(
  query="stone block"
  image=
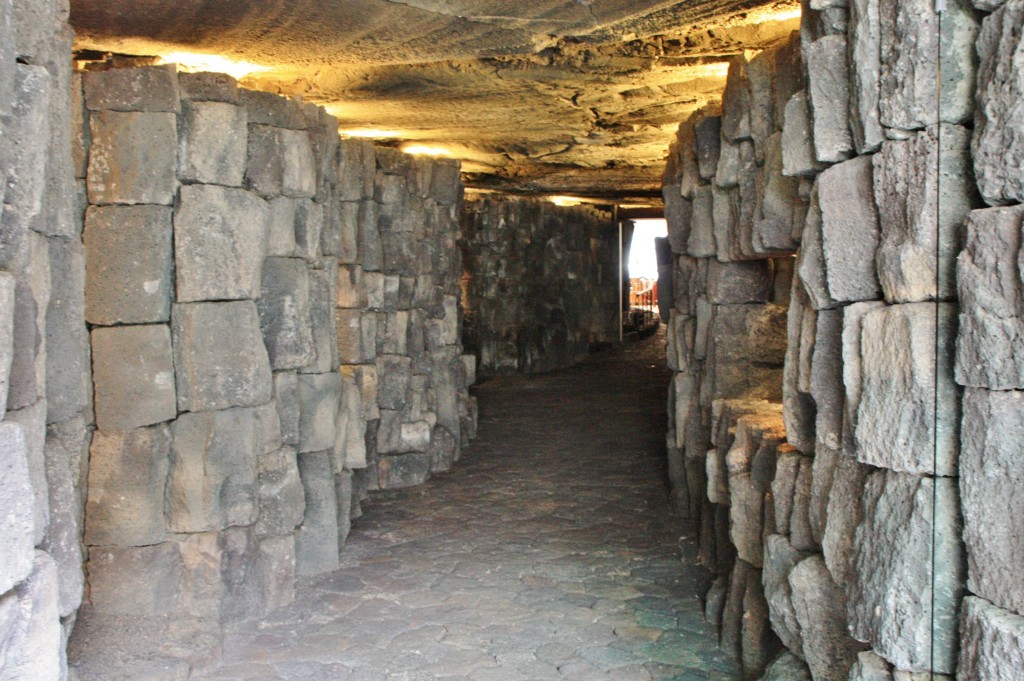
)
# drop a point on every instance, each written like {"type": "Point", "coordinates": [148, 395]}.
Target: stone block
{"type": "Point", "coordinates": [33, 424]}
{"type": "Point", "coordinates": [443, 449]}
{"type": "Point", "coordinates": [844, 514]}
{"type": "Point", "coordinates": [827, 381]}
{"type": "Point", "coordinates": [269, 109]}
{"type": "Point", "coordinates": [701, 243]}
{"type": "Point", "coordinates": [787, 667]}
{"type": "Point", "coordinates": [348, 324]}
{"type": "Point", "coordinates": [827, 646]}
{"type": "Point", "coordinates": [133, 372]}
{"type": "Point", "coordinates": [79, 127]}
{"type": "Point", "coordinates": [394, 373]}
{"type": "Point", "coordinates": [780, 559]}
{"type": "Point", "coordinates": [27, 379]}
{"type": "Point", "coordinates": [17, 536]}
{"type": "Point", "coordinates": [319, 397]}
{"type": "Point", "coordinates": [909, 79]}
{"type": "Point", "coordinates": [870, 667]}
{"type": "Point", "coordinates": [989, 284]}
{"type": "Point", "coordinates": [26, 145]}
{"type": "Point", "coordinates": [853, 319]}
{"type": "Point", "coordinates": [276, 571]}
{"type": "Point", "coordinates": [829, 97]}
{"type": "Point", "coordinates": [116, 588]}
{"type": "Point", "coordinates": [146, 88]}
{"type": "Point", "coordinates": [896, 418]}
{"type": "Point", "coordinates": [280, 162]}
{"type": "Point", "coordinates": [321, 320]}
{"type": "Point", "coordinates": [348, 241]}
{"type": "Point", "coordinates": [36, 647]}
{"type": "Point", "coordinates": [127, 477]}
{"type": "Point", "coordinates": [281, 227]}
{"type": "Point", "coordinates": [371, 248]}
{"type": "Point", "coordinates": [778, 206]}
{"type": "Point", "coordinates": [132, 158]}
{"type": "Point", "coordinates": [212, 480]}
{"type": "Point", "coordinates": [890, 596]}
{"type": "Point", "coordinates": [220, 237]}
{"type": "Point", "coordinates": [841, 236]}
{"type": "Point", "coordinates": [992, 645]}
{"type": "Point", "coordinates": [991, 474]}
{"type": "Point", "coordinates": [68, 374]}
{"type": "Point", "coordinates": [207, 86]}
{"type": "Point", "coordinates": [707, 145]}
{"type": "Point", "coordinates": [736, 102]}
{"type": "Point", "coordinates": [284, 312]}
{"type": "Point", "coordinates": [799, 406]}
{"type": "Point", "coordinates": [129, 260]}
{"type": "Point", "coordinates": [798, 156]}
{"type": "Point", "coordinates": [739, 282]}
{"type": "Point", "coordinates": [66, 454]}
{"type": "Point", "coordinates": [219, 357]}
{"type": "Point", "coordinates": [865, 69]}
{"type": "Point", "coordinates": [309, 227]}
{"type": "Point", "coordinates": [350, 423]}
{"type": "Point", "coordinates": [316, 540]}
{"type": "Point", "coordinates": [403, 470]}
{"type": "Point", "coordinates": [213, 143]}
{"type": "Point", "coordinates": [286, 400]}
{"type": "Point", "coordinates": [7, 315]}
{"type": "Point", "coordinates": [914, 224]}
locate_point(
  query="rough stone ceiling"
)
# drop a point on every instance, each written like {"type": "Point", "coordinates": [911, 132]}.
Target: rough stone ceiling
{"type": "Point", "coordinates": [569, 97]}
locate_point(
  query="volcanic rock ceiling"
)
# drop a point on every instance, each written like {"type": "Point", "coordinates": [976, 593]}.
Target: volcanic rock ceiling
{"type": "Point", "coordinates": [553, 97]}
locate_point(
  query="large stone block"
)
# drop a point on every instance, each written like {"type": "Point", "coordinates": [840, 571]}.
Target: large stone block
{"type": "Point", "coordinates": [350, 423]}
{"type": "Point", "coordinates": [35, 650]}
{"type": "Point", "coordinates": [319, 397]}
{"type": "Point", "coordinates": [220, 242]}
{"type": "Point", "coordinates": [798, 157]}
{"type": "Point", "coordinates": [132, 158]}
{"type": "Point", "coordinates": [27, 379]}
{"type": "Point", "coordinates": [321, 320]}
{"type": "Point", "coordinates": [276, 571]}
{"type": "Point", "coordinates": [844, 514]}
{"type": "Point", "coordinates": [910, 58]}
{"type": "Point", "coordinates": [133, 372]}
{"type": "Point", "coordinates": [900, 572]}
{"type": "Point", "coordinates": [853, 380]}
{"type": "Point", "coordinates": [127, 477]}
{"type": "Point", "coordinates": [67, 453]}
{"type": "Point", "coordinates": [269, 109]}
{"type": "Point", "coordinates": [778, 205]}
{"type": "Point", "coordinates": [924, 192]}
{"type": "Point", "coordinates": [310, 220]}
{"type": "Point", "coordinates": [870, 667]}
{"type": "Point", "coordinates": [827, 381]}
{"type": "Point", "coordinates": [316, 541]}
{"type": "Point", "coordinates": [736, 102]}
{"type": "Point", "coordinates": [25, 149]}
{"type": "Point", "coordinates": [780, 559]}
{"type": "Point", "coordinates": [286, 400]}
{"type": "Point", "coordinates": [989, 284]}
{"type": "Point", "coordinates": [829, 96]}
{"type": "Point", "coordinates": [116, 586]}
{"type": "Point", "coordinates": [284, 310]}
{"type": "Point", "coordinates": [207, 86]}
{"type": "Point", "coordinates": [991, 475]}
{"type": "Point", "coordinates": [739, 282]}
{"type": "Point", "coordinates": [17, 535]}
{"type": "Point", "coordinates": [992, 646]}
{"type": "Point", "coordinates": [865, 69]}
{"type": "Point", "coordinates": [394, 373]}
{"type": "Point", "coordinates": [33, 424]}
{"type": "Point", "coordinates": [280, 162]}
{"type": "Point", "coordinates": [212, 480]}
{"type": "Point", "coordinates": [281, 228]}
{"type": "Point", "coordinates": [146, 88]}
{"type": "Point", "coordinates": [129, 260]}
{"type": "Point", "coordinates": [827, 645]}
{"type": "Point", "coordinates": [841, 236]}
{"type": "Point", "coordinates": [213, 143]}
{"type": "Point", "coordinates": [68, 374]}
{"type": "Point", "coordinates": [904, 421]}
{"type": "Point", "coordinates": [219, 357]}
{"type": "Point", "coordinates": [403, 470]}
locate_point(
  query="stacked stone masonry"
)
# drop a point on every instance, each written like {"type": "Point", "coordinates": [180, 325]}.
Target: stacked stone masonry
{"type": "Point", "coordinates": [540, 286]}
{"type": "Point", "coordinates": [862, 446]}
{"type": "Point", "coordinates": [260, 321]}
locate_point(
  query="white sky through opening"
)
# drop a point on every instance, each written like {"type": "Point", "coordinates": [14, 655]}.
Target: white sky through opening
{"type": "Point", "coordinates": [643, 262]}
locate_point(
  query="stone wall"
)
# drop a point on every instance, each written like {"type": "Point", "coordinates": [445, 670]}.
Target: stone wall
{"type": "Point", "coordinates": [274, 329]}
{"type": "Point", "coordinates": [540, 286]}
{"type": "Point", "coordinates": [44, 361]}
{"type": "Point", "coordinates": [831, 516]}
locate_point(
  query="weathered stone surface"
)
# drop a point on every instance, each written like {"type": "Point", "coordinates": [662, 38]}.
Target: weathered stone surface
{"type": "Point", "coordinates": [281, 227]}
{"type": "Point", "coordinates": [827, 381]}
{"type": "Point", "coordinates": [220, 237]}
{"type": "Point", "coordinates": [989, 283]}
{"type": "Point", "coordinates": [865, 68]}
{"type": "Point", "coordinates": [321, 320]}
{"type": "Point", "coordinates": [779, 560]}
{"type": "Point", "coordinates": [309, 228]}
{"type": "Point", "coordinates": [393, 377]}
{"type": "Point", "coordinates": [845, 214]}
{"type": "Point", "coordinates": [269, 109]}
{"type": "Point", "coordinates": [17, 536]}
{"type": "Point", "coordinates": [279, 162]}
{"type": "Point", "coordinates": [991, 473]}
{"type": "Point", "coordinates": [213, 143]}
{"type": "Point", "coordinates": [128, 256]}
{"type": "Point", "coordinates": [207, 86]}
{"type": "Point", "coordinates": [67, 450]}
{"type": "Point", "coordinates": [701, 243]}
{"type": "Point", "coordinates": [27, 379]}
{"type": "Point", "coordinates": [286, 400]}
{"type": "Point", "coordinates": [827, 646]}
{"type": "Point", "coordinates": [992, 646]}
{"type": "Point", "coordinates": [115, 587]}
{"type": "Point", "coordinates": [890, 596]}
{"type": "Point", "coordinates": [870, 667]}
{"type": "Point", "coordinates": [350, 423]}
{"type": "Point", "coordinates": [778, 205]}
{"type": "Point", "coordinates": [127, 476]}
{"type": "Point", "coordinates": [319, 396]}
{"type": "Point", "coordinates": [798, 157]}
{"type": "Point", "coordinates": [219, 358]}
{"type": "Point", "coordinates": [829, 97]}
{"type": "Point", "coordinates": [909, 79]}
{"type": "Point", "coordinates": [316, 541]}
{"type": "Point", "coordinates": [736, 102]}
{"type": "Point", "coordinates": [25, 149]}
{"type": "Point", "coordinates": [788, 667]}
{"type": "Point", "coordinates": [132, 158]}
{"type": "Point", "coordinates": [35, 650]}
{"type": "Point", "coordinates": [739, 282]}
{"type": "Point", "coordinates": [276, 570]}
{"type": "Point", "coordinates": [352, 326]}
{"type": "Point", "coordinates": [403, 470]}
{"type": "Point", "coordinates": [896, 417]}
{"type": "Point", "coordinates": [212, 480]}
{"type": "Point", "coordinates": [843, 515]}
{"type": "Point", "coordinates": [853, 380]}
{"type": "Point", "coordinates": [133, 372]}
{"type": "Point", "coordinates": [284, 310]}
{"type": "Point", "coordinates": [33, 424]}
{"type": "Point", "coordinates": [7, 314]}
{"type": "Point", "coordinates": [914, 224]}
{"type": "Point", "coordinates": [145, 88]}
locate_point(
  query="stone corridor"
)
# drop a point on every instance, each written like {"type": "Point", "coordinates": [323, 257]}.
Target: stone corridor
{"type": "Point", "coordinates": [548, 552]}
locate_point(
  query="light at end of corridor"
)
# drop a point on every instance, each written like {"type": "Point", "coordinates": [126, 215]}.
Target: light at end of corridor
{"type": "Point", "coordinates": [193, 62]}
{"type": "Point", "coordinates": [371, 133]}
{"type": "Point", "coordinates": [427, 150]}
{"type": "Point", "coordinates": [565, 200]}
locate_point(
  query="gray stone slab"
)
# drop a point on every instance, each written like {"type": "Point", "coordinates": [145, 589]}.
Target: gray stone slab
{"type": "Point", "coordinates": [206, 86]}
{"type": "Point", "coordinates": [798, 157]}
{"type": "Point", "coordinates": [829, 649]}
{"type": "Point", "coordinates": [27, 379]}
{"type": "Point", "coordinates": [281, 227]}
{"type": "Point", "coordinates": [865, 70]}
{"type": "Point", "coordinates": [132, 158]}
{"type": "Point", "coordinates": [870, 667]}
{"type": "Point", "coordinates": [36, 649]}
{"type": "Point", "coordinates": [779, 561]}
{"type": "Point", "coordinates": [890, 596]}
{"type": "Point", "coordinates": [280, 162]}
{"type": "Point", "coordinates": [280, 495]}
{"type": "Point", "coordinates": [403, 470]}
{"type": "Point", "coordinates": [309, 226]}
{"type": "Point", "coordinates": [67, 451]}
{"type": "Point", "coordinates": [33, 423]}
{"type": "Point", "coordinates": [989, 284]}
{"type": "Point", "coordinates": [284, 311]}
{"type": "Point", "coordinates": [213, 468]}
{"type": "Point", "coordinates": [829, 97]}
{"type": "Point", "coordinates": [133, 372]}
{"type": "Point", "coordinates": [27, 140]}
{"type": "Point", "coordinates": [129, 261]}
{"type": "Point", "coordinates": [394, 373]}
{"type": "Point", "coordinates": [853, 318]}
{"type": "Point", "coordinates": [213, 143]}
{"type": "Point", "coordinates": [220, 242]}
{"type": "Point", "coordinates": [68, 372]}
{"type": "Point", "coordinates": [220, 360]}
{"type": "Point", "coordinates": [7, 298]}
{"type": "Point", "coordinates": [269, 109]}
{"type": "Point", "coordinates": [896, 417]}
{"type": "Point", "coordinates": [319, 397]}
{"type": "Point", "coordinates": [778, 206]}
{"type": "Point", "coordinates": [316, 541]}
{"type": "Point", "coordinates": [844, 515]}
{"type": "Point", "coordinates": [17, 537]}
{"type": "Point", "coordinates": [286, 400]}
{"type": "Point", "coordinates": [321, 320]}
{"type": "Point", "coordinates": [788, 667]}
{"type": "Point", "coordinates": [115, 586]}
{"type": "Point", "coordinates": [992, 646]}
{"type": "Point", "coordinates": [739, 282]}
{"type": "Point", "coordinates": [145, 88]}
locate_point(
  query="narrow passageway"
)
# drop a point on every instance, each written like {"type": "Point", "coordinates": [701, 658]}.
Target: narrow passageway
{"type": "Point", "coordinates": [549, 552]}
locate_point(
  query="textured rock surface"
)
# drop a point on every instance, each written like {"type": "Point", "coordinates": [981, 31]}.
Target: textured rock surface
{"type": "Point", "coordinates": [17, 536]}
{"type": "Point", "coordinates": [993, 642]}
{"type": "Point", "coordinates": [212, 149]}
{"type": "Point", "coordinates": [829, 96]}
{"type": "Point", "coordinates": [129, 162]}
{"type": "Point", "coordinates": [134, 376]}
{"type": "Point", "coordinates": [827, 646]}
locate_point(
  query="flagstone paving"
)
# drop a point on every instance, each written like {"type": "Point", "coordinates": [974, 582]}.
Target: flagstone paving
{"type": "Point", "coordinates": [549, 552]}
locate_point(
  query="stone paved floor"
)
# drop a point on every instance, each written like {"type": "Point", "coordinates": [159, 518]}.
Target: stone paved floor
{"type": "Point", "coordinates": [547, 553]}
